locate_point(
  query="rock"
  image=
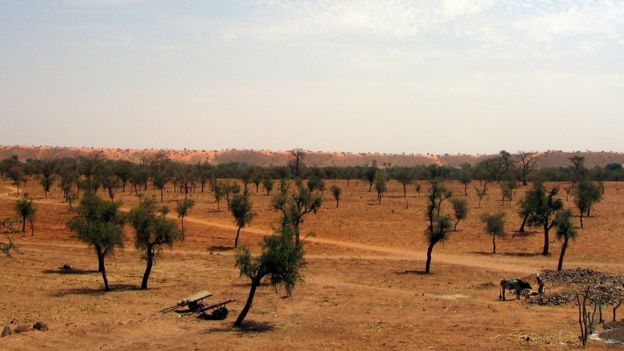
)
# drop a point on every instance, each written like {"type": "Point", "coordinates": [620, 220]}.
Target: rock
{"type": "Point", "coordinates": [21, 329]}
{"type": "Point", "coordinates": [5, 332]}
{"type": "Point", "coordinates": [41, 326]}
{"type": "Point", "coordinates": [66, 267]}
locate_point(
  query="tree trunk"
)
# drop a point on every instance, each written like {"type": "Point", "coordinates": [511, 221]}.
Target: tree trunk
{"type": "Point", "coordinates": [589, 210]}
{"type": "Point", "coordinates": [455, 226]}
{"type": "Point", "coordinates": [32, 227]}
{"type": "Point", "coordinates": [182, 223]}
{"type": "Point", "coordinates": [493, 244]}
{"type": "Point", "coordinates": [23, 224]}
{"type": "Point", "coordinates": [337, 201]}
{"type": "Point", "coordinates": [428, 264]}
{"type": "Point", "coordinates": [100, 257]}
{"type": "Point", "coordinates": [546, 241]}
{"type": "Point", "coordinates": [148, 270]}
{"type": "Point", "coordinates": [404, 190]}
{"type": "Point", "coordinates": [237, 235]}
{"type": "Point", "coordinates": [563, 251]}
{"type": "Point", "coordinates": [102, 268]}
{"type": "Point", "coordinates": [110, 194]}
{"type": "Point", "coordinates": [524, 220]}
{"type": "Point", "coordinates": [581, 218]}
{"type": "Point", "coordinates": [252, 292]}
{"type": "Point", "coordinates": [466, 189]}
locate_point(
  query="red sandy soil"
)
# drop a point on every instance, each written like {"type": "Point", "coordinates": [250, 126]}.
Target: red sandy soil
{"type": "Point", "coordinates": [363, 288]}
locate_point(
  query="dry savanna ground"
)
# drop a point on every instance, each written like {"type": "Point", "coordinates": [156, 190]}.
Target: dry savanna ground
{"type": "Point", "coordinates": [363, 288]}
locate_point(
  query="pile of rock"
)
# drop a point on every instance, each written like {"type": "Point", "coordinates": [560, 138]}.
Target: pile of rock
{"type": "Point", "coordinates": [604, 288]}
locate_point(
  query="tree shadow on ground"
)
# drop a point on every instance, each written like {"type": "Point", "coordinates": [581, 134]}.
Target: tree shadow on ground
{"type": "Point", "coordinates": [525, 234]}
{"type": "Point", "coordinates": [513, 254]}
{"type": "Point", "coordinates": [220, 248]}
{"type": "Point", "coordinates": [100, 290]}
{"type": "Point", "coordinates": [69, 271]}
{"type": "Point", "coordinates": [248, 327]}
{"type": "Point", "coordinates": [419, 272]}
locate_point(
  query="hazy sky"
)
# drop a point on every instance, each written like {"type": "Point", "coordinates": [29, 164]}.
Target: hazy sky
{"type": "Point", "coordinates": [389, 75]}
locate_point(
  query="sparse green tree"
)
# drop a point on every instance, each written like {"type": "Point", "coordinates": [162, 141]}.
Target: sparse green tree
{"type": "Point", "coordinates": [336, 191]}
{"type": "Point", "coordinates": [25, 209]}
{"type": "Point", "coordinates": [295, 205]}
{"type": "Point", "coordinates": [494, 226]}
{"type": "Point", "coordinates": [100, 225]}
{"type": "Point", "coordinates": [381, 185]}
{"type": "Point", "coordinates": [183, 207]}
{"type": "Point", "coordinates": [153, 231]}
{"type": "Point", "coordinates": [565, 232]}
{"type": "Point", "coordinates": [439, 225]}
{"type": "Point", "coordinates": [282, 261]}
{"type": "Point", "coordinates": [460, 209]}
{"type": "Point", "coordinates": [544, 208]}
{"type": "Point", "coordinates": [267, 184]}
{"type": "Point", "coordinates": [242, 211]}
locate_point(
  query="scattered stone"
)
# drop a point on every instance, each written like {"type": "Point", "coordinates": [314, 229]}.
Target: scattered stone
{"type": "Point", "coordinates": [6, 332]}
{"type": "Point", "coordinates": [66, 267]}
{"type": "Point", "coordinates": [603, 288]}
{"type": "Point", "coordinates": [41, 326]}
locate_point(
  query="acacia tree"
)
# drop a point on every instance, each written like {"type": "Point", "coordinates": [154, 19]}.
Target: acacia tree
{"type": "Point", "coordinates": [295, 205]}
{"type": "Point", "coordinates": [47, 170]}
{"type": "Point", "coordinates": [241, 208]}
{"type": "Point", "coordinates": [218, 190]}
{"type": "Point", "coordinates": [460, 209]}
{"type": "Point", "coordinates": [586, 193]}
{"type": "Point", "coordinates": [403, 176]}
{"type": "Point", "coordinates": [296, 161]}
{"type": "Point", "coordinates": [370, 173]}
{"type": "Point", "coordinates": [494, 226]}
{"type": "Point", "coordinates": [565, 232]}
{"type": "Point", "coordinates": [465, 178]}
{"type": "Point", "coordinates": [527, 165]}
{"type": "Point", "coordinates": [25, 209]}
{"type": "Point", "coordinates": [282, 261]}
{"type": "Point", "coordinates": [16, 174]}
{"type": "Point", "coordinates": [153, 231]}
{"type": "Point", "coordinates": [381, 185]}
{"type": "Point", "coordinates": [439, 225]}
{"type": "Point", "coordinates": [481, 193]}
{"type": "Point", "coordinates": [336, 191]}
{"type": "Point", "coordinates": [267, 184]}
{"type": "Point", "coordinates": [544, 208]}
{"type": "Point", "coordinates": [100, 225]}
{"type": "Point", "coordinates": [183, 207]}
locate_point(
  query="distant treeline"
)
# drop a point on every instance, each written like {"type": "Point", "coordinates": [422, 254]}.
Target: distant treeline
{"type": "Point", "coordinates": [94, 171]}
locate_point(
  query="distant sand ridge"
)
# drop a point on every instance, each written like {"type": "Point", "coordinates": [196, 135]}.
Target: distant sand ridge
{"type": "Point", "coordinates": [313, 158]}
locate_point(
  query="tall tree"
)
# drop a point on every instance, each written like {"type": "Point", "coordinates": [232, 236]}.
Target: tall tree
{"type": "Point", "coordinates": [296, 161]}
{"type": "Point", "coordinates": [267, 184]}
{"type": "Point", "coordinates": [565, 232]}
{"type": "Point", "coordinates": [545, 206]}
{"type": "Point", "coordinates": [403, 176]}
{"type": "Point", "coordinates": [100, 225]}
{"type": "Point", "coordinates": [439, 225]}
{"type": "Point", "coordinates": [153, 231]}
{"type": "Point", "coordinates": [282, 260]}
{"type": "Point", "coordinates": [241, 208]}
{"type": "Point", "coordinates": [527, 165]}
